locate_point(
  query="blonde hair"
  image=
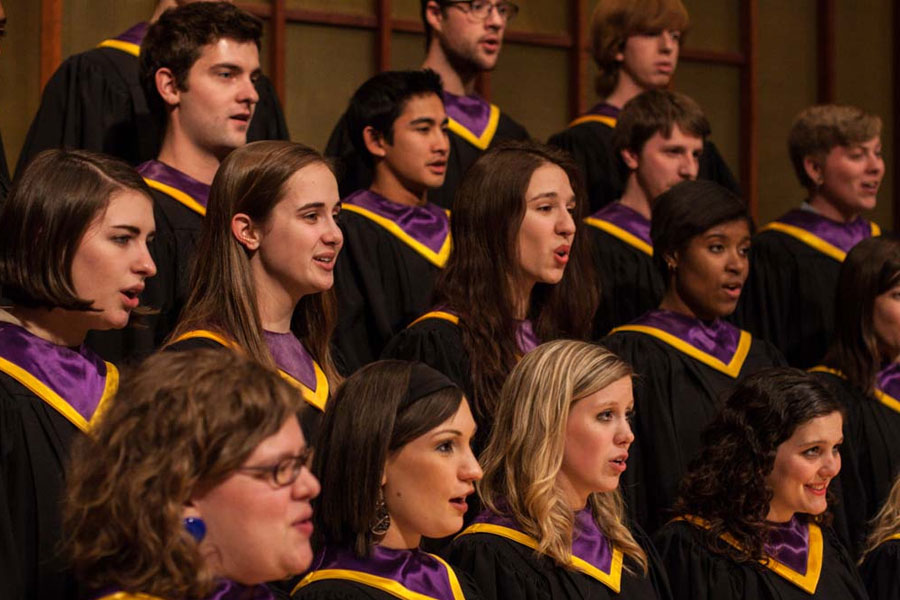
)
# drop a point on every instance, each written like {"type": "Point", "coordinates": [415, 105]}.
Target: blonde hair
{"type": "Point", "coordinates": [525, 452]}
{"type": "Point", "coordinates": [887, 522]}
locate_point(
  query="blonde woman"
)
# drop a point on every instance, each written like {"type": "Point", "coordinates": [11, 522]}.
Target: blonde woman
{"type": "Point", "coordinates": [881, 560]}
{"type": "Point", "coordinates": [553, 524]}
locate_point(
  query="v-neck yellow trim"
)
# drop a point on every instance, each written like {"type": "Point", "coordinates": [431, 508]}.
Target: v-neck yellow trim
{"type": "Point", "coordinates": [479, 141]}
{"type": "Point", "coordinates": [439, 258]}
{"type": "Point", "coordinates": [608, 121]}
{"type": "Point", "coordinates": [880, 395]}
{"type": "Point", "coordinates": [618, 232]}
{"type": "Point", "coordinates": [127, 47]}
{"type": "Point", "coordinates": [178, 195]}
{"type": "Point", "coordinates": [814, 241]}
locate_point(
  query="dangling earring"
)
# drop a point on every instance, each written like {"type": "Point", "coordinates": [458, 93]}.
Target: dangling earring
{"type": "Point", "coordinates": [382, 520]}
{"type": "Point", "coordinates": [196, 527]}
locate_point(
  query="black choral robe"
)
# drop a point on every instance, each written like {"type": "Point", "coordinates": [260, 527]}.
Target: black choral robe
{"type": "Point", "coordinates": [94, 101]}
{"type": "Point", "coordinates": [4, 174]}
{"type": "Point", "coordinates": [880, 570]}
{"type": "Point", "coordinates": [678, 389]}
{"type": "Point", "coordinates": [630, 285]}
{"type": "Point", "coordinates": [871, 449]}
{"type": "Point", "coordinates": [788, 298]}
{"type": "Point", "coordinates": [49, 395]}
{"type": "Point", "coordinates": [697, 573]}
{"type": "Point", "coordinates": [589, 139]}
{"type": "Point", "coordinates": [503, 563]}
{"type": "Point", "coordinates": [470, 136]}
{"type": "Point", "coordinates": [385, 272]}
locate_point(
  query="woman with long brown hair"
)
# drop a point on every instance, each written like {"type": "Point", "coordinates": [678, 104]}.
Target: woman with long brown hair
{"type": "Point", "coordinates": [518, 274]}
{"type": "Point", "coordinates": [554, 525]}
{"type": "Point", "coordinates": [261, 283]}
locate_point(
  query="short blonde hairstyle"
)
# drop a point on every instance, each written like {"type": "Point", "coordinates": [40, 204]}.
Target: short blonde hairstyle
{"type": "Point", "coordinates": [818, 129]}
{"type": "Point", "coordinates": [525, 453]}
{"type": "Point", "coordinates": [614, 21]}
{"type": "Point", "coordinates": [887, 522]}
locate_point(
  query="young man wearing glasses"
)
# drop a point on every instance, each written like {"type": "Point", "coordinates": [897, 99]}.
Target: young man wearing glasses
{"type": "Point", "coordinates": [463, 39]}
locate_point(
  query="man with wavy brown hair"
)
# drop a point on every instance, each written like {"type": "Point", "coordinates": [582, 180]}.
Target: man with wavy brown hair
{"type": "Point", "coordinates": [635, 46]}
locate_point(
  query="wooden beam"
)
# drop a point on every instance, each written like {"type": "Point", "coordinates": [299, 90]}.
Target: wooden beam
{"type": "Point", "coordinates": [578, 57]}
{"type": "Point", "coordinates": [749, 134]}
{"type": "Point", "coordinates": [738, 59]}
{"type": "Point", "coordinates": [826, 33]}
{"type": "Point", "coordinates": [278, 50]}
{"type": "Point", "coordinates": [383, 39]}
{"type": "Point", "coordinates": [51, 38]}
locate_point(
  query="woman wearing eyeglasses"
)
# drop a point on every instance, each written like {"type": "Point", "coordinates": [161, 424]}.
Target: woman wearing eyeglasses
{"type": "Point", "coordinates": [194, 486]}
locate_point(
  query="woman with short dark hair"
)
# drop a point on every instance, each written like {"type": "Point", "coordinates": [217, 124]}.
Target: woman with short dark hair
{"type": "Point", "coordinates": [684, 354]}
{"type": "Point", "coordinates": [517, 273]}
{"type": "Point", "coordinates": [752, 518]}
{"type": "Point", "coordinates": [73, 258]}
{"type": "Point", "coordinates": [395, 464]}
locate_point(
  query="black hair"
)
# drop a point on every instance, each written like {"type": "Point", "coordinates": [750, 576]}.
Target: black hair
{"type": "Point", "coordinates": [686, 210]}
{"type": "Point", "coordinates": [380, 100]}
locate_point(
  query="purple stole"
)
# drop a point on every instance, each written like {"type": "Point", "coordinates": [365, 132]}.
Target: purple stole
{"type": "Point", "coordinates": [795, 550]}
{"type": "Point", "coordinates": [472, 118]}
{"type": "Point", "coordinates": [526, 338]}
{"type": "Point", "coordinates": [129, 41]}
{"type": "Point", "coordinates": [77, 383]}
{"type": "Point", "coordinates": [425, 229]}
{"type": "Point", "coordinates": [603, 113]}
{"type": "Point", "coordinates": [828, 237]}
{"type": "Point", "coordinates": [717, 344]}
{"type": "Point", "coordinates": [592, 554]}
{"type": "Point", "coordinates": [294, 362]}
{"type": "Point", "coordinates": [226, 589]}
{"type": "Point", "coordinates": [412, 574]}
{"type": "Point", "coordinates": [181, 187]}
{"type": "Point", "coordinates": [625, 224]}
{"type": "Point", "coordinates": [887, 384]}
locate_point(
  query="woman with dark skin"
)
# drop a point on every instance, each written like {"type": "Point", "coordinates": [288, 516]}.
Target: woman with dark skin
{"type": "Point", "coordinates": [752, 517]}
{"type": "Point", "coordinates": [684, 354]}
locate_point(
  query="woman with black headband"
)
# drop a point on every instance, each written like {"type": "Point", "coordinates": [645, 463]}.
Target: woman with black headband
{"type": "Point", "coordinates": [395, 464]}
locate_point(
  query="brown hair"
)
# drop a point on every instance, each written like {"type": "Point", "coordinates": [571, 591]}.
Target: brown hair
{"type": "Point", "coordinates": [614, 21]}
{"type": "Point", "coordinates": [55, 201]}
{"type": "Point", "coordinates": [487, 213]}
{"type": "Point", "coordinates": [187, 421]}
{"type": "Point", "coordinates": [818, 129]}
{"type": "Point", "coordinates": [525, 453]}
{"type": "Point", "coordinates": [887, 522]}
{"type": "Point", "coordinates": [657, 111]}
{"type": "Point", "coordinates": [251, 180]}
{"type": "Point", "coordinates": [871, 268]}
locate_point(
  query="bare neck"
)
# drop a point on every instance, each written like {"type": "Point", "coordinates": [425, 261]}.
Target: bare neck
{"type": "Point", "coordinates": [625, 90]}
{"type": "Point", "coordinates": [57, 326]}
{"type": "Point", "coordinates": [387, 185]}
{"type": "Point", "coordinates": [180, 154]}
{"type": "Point", "coordinates": [829, 210]}
{"type": "Point", "coordinates": [635, 197]}
{"type": "Point", "coordinates": [455, 82]}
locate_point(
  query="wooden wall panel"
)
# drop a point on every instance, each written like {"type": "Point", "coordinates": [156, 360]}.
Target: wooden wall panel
{"type": "Point", "coordinates": [715, 24]}
{"type": "Point", "coordinates": [20, 71]}
{"type": "Point", "coordinates": [80, 34]}
{"type": "Point", "coordinates": [864, 61]}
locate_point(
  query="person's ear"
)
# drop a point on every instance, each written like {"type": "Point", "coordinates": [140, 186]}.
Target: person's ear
{"type": "Point", "coordinates": [814, 170]}
{"type": "Point", "coordinates": [245, 231]}
{"type": "Point", "coordinates": [630, 158]}
{"type": "Point", "coordinates": [167, 86]}
{"type": "Point", "coordinates": [374, 141]}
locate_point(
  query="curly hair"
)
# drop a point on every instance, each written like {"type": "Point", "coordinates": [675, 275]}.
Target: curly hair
{"type": "Point", "coordinates": [187, 421]}
{"type": "Point", "coordinates": [487, 213]}
{"type": "Point", "coordinates": [886, 523]}
{"type": "Point", "coordinates": [726, 482]}
{"type": "Point", "coordinates": [525, 453]}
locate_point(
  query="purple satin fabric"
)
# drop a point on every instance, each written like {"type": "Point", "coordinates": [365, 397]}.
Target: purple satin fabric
{"type": "Point", "coordinates": [134, 35]}
{"type": "Point", "coordinates": [163, 173]}
{"type": "Point", "coordinates": [291, 357]}
{"type": "Point", "coordinates": [888, 380]}
{"type": "Point", "coordinates": [526, 339]}
{"type": "Point", "coordinates": [841, 235]}
{"type": "Point", "coordinates": [605, 110]}
{"type": "Point", "coordinates": [428, 224]}
{"type": "Point", "coordinates": [588, 542]}
{"type": "Point", "coordinates": [414, 569]}
{"type": "Point", "coordinates": [789, 544]}
{"type": "Point", "coordinates": [78, 376]}
{"type": "Point", "coordinates": [625, 218]}
{"type": "Point", "coordinates": [717, 338]}
{"type": "Point", "coordinates": [472, 112]}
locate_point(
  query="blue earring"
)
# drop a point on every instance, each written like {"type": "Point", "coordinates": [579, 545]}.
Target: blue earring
{"type": "Point", "coordinates": [196, 527]}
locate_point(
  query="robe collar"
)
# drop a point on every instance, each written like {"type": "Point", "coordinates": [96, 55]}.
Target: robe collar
{"type": "Point", "coordinates": [74, 381]}
{"type": "Point", "coordinates": [411, 574]}
{"type": "Point", "coordinates": [291, 357]}
{"type": "Point", "coordinates": [128, 41]}
{"type": "Point", "coordinates": [182, 187]}
{"type": "Point", "coordinates": [888, 380]}
{"type": "Point", "coordinates": [829, 237]}
{"type": "Point", "coordinates": [625, 224]}
{"type": "Point", "coordinates": [472, 118]}
{"type": "Point", "coordinates": [604, 113]}
{"type": "Point", "coordinates": [425, 229]}
{"type": "Point", "coordinates": [592, 553]}
{"type": "Point", "coordinates": [716, 343]}
{"type": "Point", "coordinates": [526, 339]}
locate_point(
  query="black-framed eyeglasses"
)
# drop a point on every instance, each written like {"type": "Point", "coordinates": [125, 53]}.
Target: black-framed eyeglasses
{"type": "Point", "coordinates": [285, 471]}
{"type": "Point", "coordinates": [481, 9]}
